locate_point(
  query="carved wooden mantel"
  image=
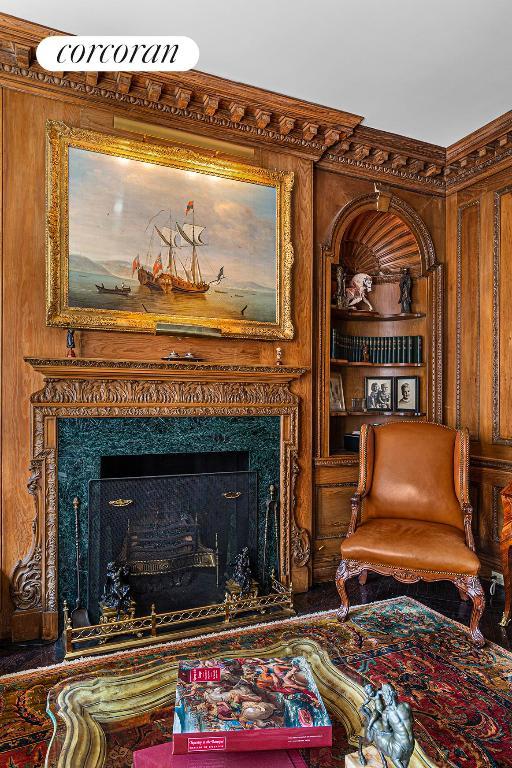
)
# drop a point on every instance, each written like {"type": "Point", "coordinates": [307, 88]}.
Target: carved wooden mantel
{"type": "Point", "coordinates": [84, 388]}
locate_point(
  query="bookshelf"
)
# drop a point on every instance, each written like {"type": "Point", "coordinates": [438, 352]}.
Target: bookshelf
{"type": "Point", "coordinates": [377, 234]}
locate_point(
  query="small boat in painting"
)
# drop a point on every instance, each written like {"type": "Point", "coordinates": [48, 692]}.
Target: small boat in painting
{"type": "Point", "coordinates": [124, 290]}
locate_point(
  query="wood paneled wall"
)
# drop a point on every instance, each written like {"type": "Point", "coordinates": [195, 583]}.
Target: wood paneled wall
{"type": "Point", "coordinates": [479, 343]}
{"type": "Point", "coordinates": [23, 312]}
{"type": "Point", "coordinates": [462, 193]}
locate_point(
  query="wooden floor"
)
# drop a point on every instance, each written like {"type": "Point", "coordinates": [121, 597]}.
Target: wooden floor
{"type": "Point", "coordinates": [442, 597]}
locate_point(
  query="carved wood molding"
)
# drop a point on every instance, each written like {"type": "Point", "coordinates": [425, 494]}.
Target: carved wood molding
{"type": "Point", "coordinates": [486, 462]}
{"type": "Point", "coordinates": [128, 393]}
{"type": "Point", "coordinates": [497, 437]}
{"type": "Point", "coordinates": [301, 541]}
{"type": "Point", "coordinates": [106, 393]}
{"type": "Point", "coordinates": [378, 154]}
{"type": "Point", "coordinates": [25, 586]}
{"type": "Point", "coordinates": [458, 320]}
{"type": "Point", "coordinates": [479, 154]}
{"type": "Point", "coordinates": [198, 101]}
{"type": "Point", "coordinates": [260, 116]}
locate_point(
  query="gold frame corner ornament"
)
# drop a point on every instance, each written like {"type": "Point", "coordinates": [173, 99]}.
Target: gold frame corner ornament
{"type": "Point", "coordinates": [60, 138]}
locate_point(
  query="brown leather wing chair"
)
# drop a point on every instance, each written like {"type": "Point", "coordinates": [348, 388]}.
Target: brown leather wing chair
{"type": "Point", "coordinates": [411, 515]}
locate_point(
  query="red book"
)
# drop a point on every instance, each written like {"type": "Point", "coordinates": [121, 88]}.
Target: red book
{"type": "Point", "coordinates": [247, 704]}
{"type": "Point", "coordinates": [162, 757]}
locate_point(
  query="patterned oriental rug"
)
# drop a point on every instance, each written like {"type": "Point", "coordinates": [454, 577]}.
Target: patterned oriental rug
{"type": "Point", "coordinates": [461, 697]}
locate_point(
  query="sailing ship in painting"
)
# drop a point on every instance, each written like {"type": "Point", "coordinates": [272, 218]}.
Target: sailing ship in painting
{"type": "Point", "coordinates": [181, 242]}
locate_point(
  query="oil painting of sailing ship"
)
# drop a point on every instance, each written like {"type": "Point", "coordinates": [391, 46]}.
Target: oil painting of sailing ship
{"type": "Point", "coordinates": [149, 238]}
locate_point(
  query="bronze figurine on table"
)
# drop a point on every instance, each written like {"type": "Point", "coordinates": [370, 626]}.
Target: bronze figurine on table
{"type": "Point", "coordinates": [388, 726]}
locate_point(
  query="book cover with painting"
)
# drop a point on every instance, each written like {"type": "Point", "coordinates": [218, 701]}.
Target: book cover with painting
{"type": "Point", "coordinates": [227, 705]}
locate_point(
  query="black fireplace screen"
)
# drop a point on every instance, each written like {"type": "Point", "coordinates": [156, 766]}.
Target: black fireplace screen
{"type": "Point", "coordinates": [177, 534]}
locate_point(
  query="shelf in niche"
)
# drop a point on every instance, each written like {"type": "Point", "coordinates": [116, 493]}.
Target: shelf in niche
{"type": "Point", "coordinates": [382, 413]}
{"type": "Point", "coordinates": [339, 413]}
{"type": "Point", "coordinates": [346, 314]}
{"type": "Point", "coordinates": [343, 363]}
{"type": "Point", "coordinates": [344, 452]}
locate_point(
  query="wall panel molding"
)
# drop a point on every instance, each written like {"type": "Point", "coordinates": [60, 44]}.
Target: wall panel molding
{"type": "Point", "coordinates": [468, 278]}
{"type": "Point", "coordinates": [497, 326]}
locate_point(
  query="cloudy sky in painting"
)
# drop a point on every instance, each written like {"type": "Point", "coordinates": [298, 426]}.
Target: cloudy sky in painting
{"type": "Point", "coordinates": [111, 201]}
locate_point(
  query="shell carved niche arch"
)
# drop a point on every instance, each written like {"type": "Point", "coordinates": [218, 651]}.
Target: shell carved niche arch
{"type": "Point", "coordinates": [379, 234]}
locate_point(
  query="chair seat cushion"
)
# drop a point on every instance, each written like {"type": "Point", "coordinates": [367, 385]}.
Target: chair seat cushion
{"type": "Point", "coordinates": [411, 544]}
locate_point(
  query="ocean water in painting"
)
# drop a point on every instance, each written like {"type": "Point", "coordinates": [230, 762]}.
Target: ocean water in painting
{"type": "Point", "coordinates": [220, 301]}
{"type": "Point", "coordinates": [132, 224]}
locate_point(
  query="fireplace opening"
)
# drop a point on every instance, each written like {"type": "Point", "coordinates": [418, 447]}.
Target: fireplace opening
{"type": "Point", "coordinates": [175, 523]}
{"type": "Point", "coordinates": [189, 463]}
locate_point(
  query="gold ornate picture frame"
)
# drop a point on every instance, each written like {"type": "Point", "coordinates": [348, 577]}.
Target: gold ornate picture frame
{"type": "Point", "coordinates": [106, 270]}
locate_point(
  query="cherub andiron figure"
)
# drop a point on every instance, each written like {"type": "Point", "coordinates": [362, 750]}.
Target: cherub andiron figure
{"type": "Point", "coordinates": [116, 593]}
{"type": "Point", "coordinates": [242, 575]}
{"type": "Point", "coordinates": [388, 726]}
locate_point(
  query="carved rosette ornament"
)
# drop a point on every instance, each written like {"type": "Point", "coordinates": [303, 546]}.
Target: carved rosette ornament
{"type": "Point", "coordinates": [25, 585]}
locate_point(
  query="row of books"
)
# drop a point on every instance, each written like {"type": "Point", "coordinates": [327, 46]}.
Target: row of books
{"type": "Point", "coordinates": [376, 349]}
{"type": "Point", "coordinates": [231, 708]}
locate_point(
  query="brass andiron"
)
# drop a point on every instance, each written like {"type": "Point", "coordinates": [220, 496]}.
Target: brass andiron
{"type": "Point", "coordinates": [116, 602]}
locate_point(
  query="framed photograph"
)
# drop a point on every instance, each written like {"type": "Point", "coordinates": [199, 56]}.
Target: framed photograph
{"type": "Point", "coordinates": [140, 233]}
{"type": "Point", "coordinates": [407, 393]}
{"type": "Point", "coordinates": [337, 398]}
{"type": "Point", "coordinates": [379, 393]}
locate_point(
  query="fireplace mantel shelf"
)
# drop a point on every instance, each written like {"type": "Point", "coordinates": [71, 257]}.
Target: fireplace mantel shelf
{"type": "Point", "coordinates": [92, 368]}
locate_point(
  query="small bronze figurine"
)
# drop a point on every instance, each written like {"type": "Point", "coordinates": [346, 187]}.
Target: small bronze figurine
{"type": "Point", "coordinates": [341, 283]}
{"type": "Point", "coordinates": [388, 726]}
{"type": "Point", "coordinates": [116, 593]}
{"type": "Point", "coordinates": [405, 290]}
{"type": "Point", "coordinates": [279, 355]}
{"type": "Point", "coordinates": [242, 575]}
{"type": "Point", "coordinates": [365, 352]}
{"type": "Point", "coordinates": [70, 343]}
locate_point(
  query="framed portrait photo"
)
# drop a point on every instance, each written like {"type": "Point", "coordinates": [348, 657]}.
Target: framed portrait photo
{"type": "Point", "coordinates": [407, 393]}
{"type": "Point", "coordinates": [379, 393]}
{"type": "Point", "coordinates": [337, 398]}
{"type": "Point", "coordinates": [140, 234]}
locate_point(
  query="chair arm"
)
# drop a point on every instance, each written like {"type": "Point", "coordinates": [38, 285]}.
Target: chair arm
{"type": "Point", "coordinates": [467, 511]}
{"type": "Point", "coordinates": [355, 503]}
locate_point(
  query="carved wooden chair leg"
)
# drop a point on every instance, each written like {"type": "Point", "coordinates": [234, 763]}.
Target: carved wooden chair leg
{"type": "Point", "coordinates": [341, 577]}
{"type": "Point", "coordinates": [463, 595]}
{"type": "Point", "coordinates": [362, 578]}
{"type": "Point", "coordinates": [472, 587]}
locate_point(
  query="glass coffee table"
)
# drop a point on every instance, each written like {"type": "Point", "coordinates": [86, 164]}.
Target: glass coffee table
{"type": "Point", "coordinates": [98, 721]}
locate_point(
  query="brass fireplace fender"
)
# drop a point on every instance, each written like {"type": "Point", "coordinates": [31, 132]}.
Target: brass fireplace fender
{"type": "Point", "coordinates": [91, 388]}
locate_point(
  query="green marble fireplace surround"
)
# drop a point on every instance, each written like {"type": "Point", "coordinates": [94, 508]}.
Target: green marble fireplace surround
{"type": "Point", "coordinates": [82, 442]}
